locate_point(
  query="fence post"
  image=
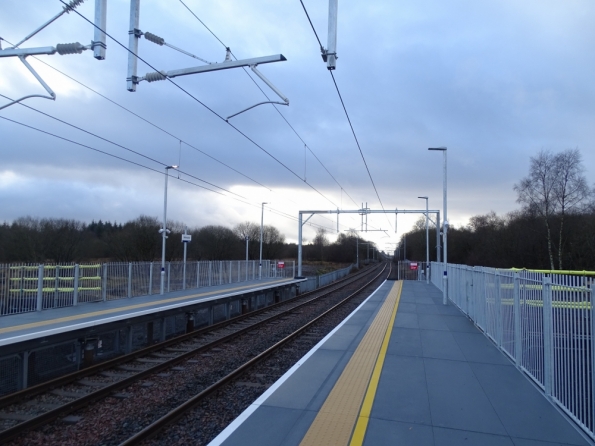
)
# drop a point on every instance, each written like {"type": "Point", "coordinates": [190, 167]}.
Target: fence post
{"type": "Point", "coordinates": [498, 308]}
{"type": "Point", "coordinates": [593, 356]}
{"type": "Point", "coordinates": [518, 340]}
{"type": "Point", "coordinates": [129, 279]}
{"type": "Point", "coordinates": [40, 287]}
{"type": "Point", "coordinates": [230, 271]}
{"type": "Point", "coordinates": [56, 286]}
{"type": "Point", "coordinates": [220, 272]}
{"type": "Point", "coordinates": [104, 283]}
{"type": "Point", "coordinates": [465, 275]}
{"type": "Point", "coordinates": [210, 271]}
{"type": "Point", "coordinates": [75, 297]}
{"type": "Point", "coordinates": [197, 274]}
{"type": "Point", "coordinates": [150, 278]}
{"type": "Point", "coordinates": [547, 334]}
{"type": "Point", "coordinates": [168, 275]}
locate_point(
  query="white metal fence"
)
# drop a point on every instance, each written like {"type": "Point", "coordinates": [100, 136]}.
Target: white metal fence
{"type": "Point", "coordinates": [543, 322]}
{"type": "Point", "coordinates": [29, 287]}
{"type": "Point", "coordinates": [313, 282]}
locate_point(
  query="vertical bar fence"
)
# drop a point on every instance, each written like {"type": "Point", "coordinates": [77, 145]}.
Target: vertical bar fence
{"type": "Point", "coordinates": [543, 322]}
{"type": "Point", "coordinates": [34, 287]}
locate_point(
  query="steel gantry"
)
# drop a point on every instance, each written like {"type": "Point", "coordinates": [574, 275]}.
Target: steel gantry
{"type": "Point", "coordinates": [363, 211]}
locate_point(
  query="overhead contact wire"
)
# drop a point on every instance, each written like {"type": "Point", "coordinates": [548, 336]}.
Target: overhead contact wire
{"type": "Point", "coordinates": [268, 98]}
{"type": "Point", "coordinates": [345, 110]}
{"type": "Point", "coordinates": [205, 106]}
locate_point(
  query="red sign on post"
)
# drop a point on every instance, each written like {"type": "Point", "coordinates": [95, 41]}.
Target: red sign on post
{"type": "Point", "coordinates": [413, 266]}
{"type": "Point", "coordinates": [280, 264]}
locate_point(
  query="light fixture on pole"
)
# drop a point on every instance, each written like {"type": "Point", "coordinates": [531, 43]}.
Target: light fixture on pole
{"type": "Point", "coordinates": [261, 227]}
{"type": "Point", "coordinates": [444, 230]}
{"type": "Point", "coordinates": [164, 231]}
{"type": "Point", "coordinates": [427, 243]}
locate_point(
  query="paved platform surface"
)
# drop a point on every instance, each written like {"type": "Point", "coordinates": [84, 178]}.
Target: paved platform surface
{"type": "Point", "coordinates": [26, 326]}
{"type": "Point", "coordinates": [442, 383]}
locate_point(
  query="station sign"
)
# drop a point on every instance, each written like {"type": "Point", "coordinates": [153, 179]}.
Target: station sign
{"type": "Point", "coordinates": [186, 238]}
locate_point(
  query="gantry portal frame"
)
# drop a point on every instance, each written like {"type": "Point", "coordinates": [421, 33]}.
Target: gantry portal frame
{"type": "Point", "coordinates": [363, 211]}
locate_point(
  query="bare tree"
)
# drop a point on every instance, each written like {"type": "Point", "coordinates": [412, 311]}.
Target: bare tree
{"type": "Point", "coordinates": [570, 188]}
{"type": "Point", "coordinates": [216, 242]}
{"type": "Point", "coordinates": [555, 186]}
{"type": "Point", "coordinates": [252, 232]}
{"type": "Point", "coordinates": [320, 241]}
{"type": "Point", "coordinates": [272, 241]}
{"type": "Point", "coordinates": [138, 241]}
{"type": "Point", "coordinates": [420, 224]}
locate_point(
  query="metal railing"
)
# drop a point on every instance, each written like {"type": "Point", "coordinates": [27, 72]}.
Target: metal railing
{"type": "Point", "coordinates": [313, 282]}
{"type": "Point", "coordinates": [32, 287]}
{"type": "Point", "coordinates": [407, 270]}
{"type": "Point", "coordinates": [544, 322]}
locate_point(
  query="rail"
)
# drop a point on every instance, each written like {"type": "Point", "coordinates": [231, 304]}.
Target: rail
{"type": "Point", "coordinates": [543, 322]}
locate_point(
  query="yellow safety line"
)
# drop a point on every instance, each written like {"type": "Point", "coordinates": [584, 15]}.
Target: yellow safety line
{"type": "Point", "coordinates": [364, 415]}
{"type": "Point", "coordinates": [129, 307]}
{"type": "Point", "coordinates": [337, 417]}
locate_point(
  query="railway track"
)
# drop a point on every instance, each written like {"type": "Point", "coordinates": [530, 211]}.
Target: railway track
{"type": "Point", "coordinates": [189, 364]}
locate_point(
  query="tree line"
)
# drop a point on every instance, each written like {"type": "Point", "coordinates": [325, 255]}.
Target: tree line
{"type": "Point", "coordinates": [43, 240]}
{"type": "Point", "coordinates": [554, 229]}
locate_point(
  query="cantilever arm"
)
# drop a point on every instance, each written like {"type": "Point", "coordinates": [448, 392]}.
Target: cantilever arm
{"type": "Point", "coordinates": [51, 96]}
{"type": "Point", "coordinates": [256, 105]}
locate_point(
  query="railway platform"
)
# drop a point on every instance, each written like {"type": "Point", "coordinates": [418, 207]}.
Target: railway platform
{"type": "Point", "coordinates": [403, 369]}
{"type": "Point", "coordinates": [41, 324]}
{"type": "Point", "coordinates": [41, 345]}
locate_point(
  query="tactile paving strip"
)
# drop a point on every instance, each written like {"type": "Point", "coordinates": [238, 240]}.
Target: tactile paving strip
{"type": "Point", "coordinates": [337, 418]}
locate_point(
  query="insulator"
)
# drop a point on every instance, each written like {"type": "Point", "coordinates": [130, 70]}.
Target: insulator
{"type": "Point", "coordinates": [72, 5]}
{"type": "Point", "coordinates": [69, 48]}
{"type": "Point", "coordinates": [156, 76]}
{"type": "Point", "coordinates": [154, 38]}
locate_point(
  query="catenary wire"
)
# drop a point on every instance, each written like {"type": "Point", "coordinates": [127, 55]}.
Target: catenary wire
{"type": "Point", "coordinates": [268, 98]}
{"type": "Point", "coordinates": [205, 106]}
{"type": "Point", "coordinates": [121, 146]}
{"type": "Point", "coordinates": [163, 130]}
{"type": "Point", "coordinates": [152, 124]}
{"type": "Point", "coordinates": [346, 113]}
{"type": "Point", "coordinates": [148, 122]}
{"type": "Point", "coordinates": [280, 213]}
{"type": "Point", "coordinates": [208, 108]}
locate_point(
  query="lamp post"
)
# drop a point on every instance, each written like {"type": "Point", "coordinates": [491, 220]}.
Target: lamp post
{"type": "Point", "coordinates": [164, 231]}
{"type": "Point", "coordinates": [261, 227]}
{"type": "Point", "coordinates": [445, 228]}
{"type": "Point", "coordinates": [247, 240]}
{"type": "Point", "coordinates": [427, 241]}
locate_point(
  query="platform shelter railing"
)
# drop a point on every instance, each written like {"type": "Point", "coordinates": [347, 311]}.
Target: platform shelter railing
{"type": "Point", "coordinates": [33, 287]}
{"type": "Point", "coordinates": [543, 321]}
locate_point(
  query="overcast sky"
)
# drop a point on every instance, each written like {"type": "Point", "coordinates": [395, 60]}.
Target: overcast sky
{"type": "Point", "coordinates": [495, 81]}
